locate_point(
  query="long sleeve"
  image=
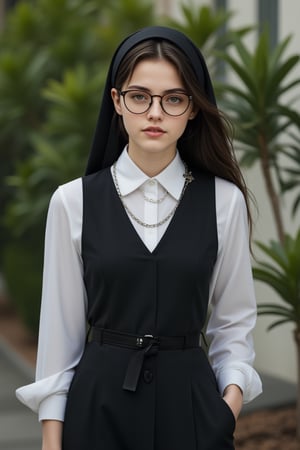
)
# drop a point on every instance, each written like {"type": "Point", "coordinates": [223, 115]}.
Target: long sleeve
{"type": "Point", "coordinates": [63, 306]}
{"type": "Point", "coordinates": [233, 303]}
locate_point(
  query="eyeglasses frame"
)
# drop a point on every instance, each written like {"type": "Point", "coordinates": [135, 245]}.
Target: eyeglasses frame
{"type": "Point", "coordinates": [123, 93]}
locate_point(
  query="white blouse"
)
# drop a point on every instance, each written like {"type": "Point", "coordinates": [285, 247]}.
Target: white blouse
{"type": "Point", "coordinates": [64, 303]}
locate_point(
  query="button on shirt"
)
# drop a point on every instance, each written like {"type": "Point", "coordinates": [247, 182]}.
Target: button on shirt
{"type": "Point", "coordinates": [231, 296]}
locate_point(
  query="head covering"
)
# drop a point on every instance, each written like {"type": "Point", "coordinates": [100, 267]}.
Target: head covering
{"type": "Point", "coordinates": [108, 142]}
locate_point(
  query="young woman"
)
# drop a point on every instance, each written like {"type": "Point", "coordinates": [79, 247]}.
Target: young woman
{"type": "Point", "coordinates": [136, 251]}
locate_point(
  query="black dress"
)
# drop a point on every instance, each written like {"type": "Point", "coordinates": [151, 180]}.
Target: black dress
{"type": "Point", "coordinates": [176, 404]}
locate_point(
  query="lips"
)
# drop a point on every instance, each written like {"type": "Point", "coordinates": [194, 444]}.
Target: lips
{"type": "Point", "coordinates": [154, 131]}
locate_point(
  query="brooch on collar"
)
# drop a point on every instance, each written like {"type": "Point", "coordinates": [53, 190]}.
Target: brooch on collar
{"type": "Point", "coordinates": [188, 176]}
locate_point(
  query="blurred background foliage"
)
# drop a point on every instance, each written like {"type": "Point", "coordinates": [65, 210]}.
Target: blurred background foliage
{"type": "Point", "coordinates": [258, 103]}
{"type": "Point", "coordinates": [54, 55]}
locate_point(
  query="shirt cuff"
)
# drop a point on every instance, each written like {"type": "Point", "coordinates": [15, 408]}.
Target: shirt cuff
{"type": "Point", "coordinates": [246, 378]}
{"type": "Point", "coordinates": [48, 395]}
{"type": "Point", "coordinates": [53, 408]}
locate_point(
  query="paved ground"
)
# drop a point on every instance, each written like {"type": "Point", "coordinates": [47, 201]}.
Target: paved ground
{"type": "Point", "coordinates": [20, 430]}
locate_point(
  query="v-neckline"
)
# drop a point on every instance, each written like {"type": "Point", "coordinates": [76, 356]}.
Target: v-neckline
{"type": "Point", "coordinates": [132, 228]}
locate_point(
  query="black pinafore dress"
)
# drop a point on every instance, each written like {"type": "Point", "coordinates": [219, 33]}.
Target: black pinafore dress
{"type": "Point", "coordinates": [176, 404]}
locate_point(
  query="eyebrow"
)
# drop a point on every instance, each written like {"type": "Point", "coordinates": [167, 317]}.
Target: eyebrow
{"type": "Point", "coordinates": [167, 91]}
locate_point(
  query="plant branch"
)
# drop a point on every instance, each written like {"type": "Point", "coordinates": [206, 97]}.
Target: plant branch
{"type": "Point", "coordinates": [271, 191]}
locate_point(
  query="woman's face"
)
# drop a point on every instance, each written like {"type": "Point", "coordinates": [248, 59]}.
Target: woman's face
{"type": "Point", "coordinates": [153, 132]}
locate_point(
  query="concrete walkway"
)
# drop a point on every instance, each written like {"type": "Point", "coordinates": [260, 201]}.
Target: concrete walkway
{"type": "Point", "coordinates": [20, 429]}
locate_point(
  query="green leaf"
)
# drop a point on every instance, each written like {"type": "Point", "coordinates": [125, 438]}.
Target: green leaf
{"type": "Point", "coordinates": [275, 309]}
{"type": "Point", "coordinates": [242, 72]}
{"type": "Point", "coordinates": [276, 253]}
{"type": "Point", "coordinates": [283, 275]}
{"type": "Point", "coordinates": [277, 323]}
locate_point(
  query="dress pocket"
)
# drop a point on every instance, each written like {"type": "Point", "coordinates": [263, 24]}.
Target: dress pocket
{"type": "Point", "coordinates": [229, 412]}
{"type": "Point", "coordinates": [214, 421]}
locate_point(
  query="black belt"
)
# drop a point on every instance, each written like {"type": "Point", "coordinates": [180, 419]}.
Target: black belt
{"type": "Point", "coordinates": [145, 345]}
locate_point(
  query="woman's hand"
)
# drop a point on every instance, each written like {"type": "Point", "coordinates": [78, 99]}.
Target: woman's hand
{"type": "Point", "coordinates": [233, 396]}
{"type": "Point", "coordinates": [52, 435]}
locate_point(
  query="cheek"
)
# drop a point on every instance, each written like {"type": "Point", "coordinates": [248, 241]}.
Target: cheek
{"type": "Point", "coordinates": [121, 126]}
{"type": "Point", "coordinates": [129, 123]}
{"type": "Point", "coordinates": [180, 126]}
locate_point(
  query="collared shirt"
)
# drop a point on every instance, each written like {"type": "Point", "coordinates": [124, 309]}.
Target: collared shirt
{"type": "Point", "coordinates": [232, 300]}
{"type": "Point", "coordinates": [138, 190]}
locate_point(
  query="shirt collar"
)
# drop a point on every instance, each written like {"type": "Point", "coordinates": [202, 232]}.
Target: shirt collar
{"type": "Point", "coordinates": [131, 177]}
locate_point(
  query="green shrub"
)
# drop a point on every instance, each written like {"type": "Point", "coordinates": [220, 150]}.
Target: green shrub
{"type": "Point", "coordinates": [22, 262]}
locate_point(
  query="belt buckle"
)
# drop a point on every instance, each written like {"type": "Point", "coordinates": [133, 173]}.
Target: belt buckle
{"type": "Point", "coordinates": [140, 340]}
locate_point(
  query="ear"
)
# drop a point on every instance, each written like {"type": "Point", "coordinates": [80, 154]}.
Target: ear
{"type": "Point", "coordinates": [193, 114]}
{"type": "Point", "coordinates": [116, 98]}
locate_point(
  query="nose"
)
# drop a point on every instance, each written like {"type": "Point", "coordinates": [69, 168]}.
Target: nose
{"type": "Point", "coordinates": [155, 111]}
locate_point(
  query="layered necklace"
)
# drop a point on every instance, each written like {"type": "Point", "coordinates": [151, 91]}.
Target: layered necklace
{"type": "Point", "coordinates": [188, 179]}
{"type": "Point", "coordinates": [151, 200]}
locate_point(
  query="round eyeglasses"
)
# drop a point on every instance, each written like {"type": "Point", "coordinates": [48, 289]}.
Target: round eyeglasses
{"type": "Point", "coordinates": [139, 102]}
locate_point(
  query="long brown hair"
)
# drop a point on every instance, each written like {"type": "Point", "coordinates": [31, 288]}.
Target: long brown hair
{"type": "Point", "coordinates": [207, 141]}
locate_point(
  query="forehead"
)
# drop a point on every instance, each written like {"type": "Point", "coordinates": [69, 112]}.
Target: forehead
{"type": "Point", "coordinates": [155, 74]}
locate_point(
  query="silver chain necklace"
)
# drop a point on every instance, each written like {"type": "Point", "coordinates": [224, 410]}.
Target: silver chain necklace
{"type": "Point", "coordinates": [151, 200]}
{"type": "Point", "coordinates": [188, 179]}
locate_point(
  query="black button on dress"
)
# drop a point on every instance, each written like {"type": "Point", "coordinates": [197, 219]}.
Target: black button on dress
{"type": "Point", "coordinates": [176, 405]}
{"type": "Point", "coordinates": [148, 376]}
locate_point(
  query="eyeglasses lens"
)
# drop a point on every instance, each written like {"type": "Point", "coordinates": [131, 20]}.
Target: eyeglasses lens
{"type": "Point", "coordinates": [138, 102]}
